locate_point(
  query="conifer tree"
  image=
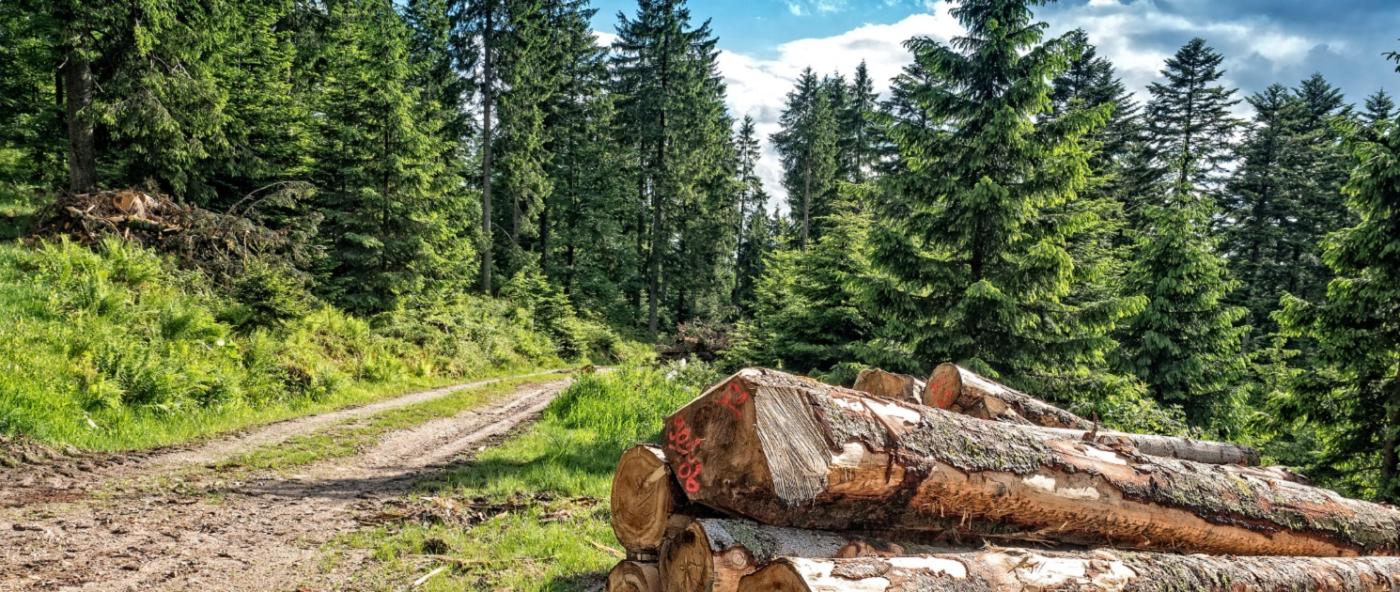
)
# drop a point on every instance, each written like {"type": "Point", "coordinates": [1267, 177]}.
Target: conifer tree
{"type": "Point", "coordinates": [859, 134]}
{"type": "Point", "coordinates": [388, 236]}
{"type": "Point", "coordinates": [1263, 203]}
{"type": "Point", "coordinates": [1379, 107]}
{"type": "Point", "coordinates": [754, 232]}
{"type": "Point", "coordinates": [809, 309]}
{"type": "Point", "coordinates": [1089, 83]}
{"type": "Point", "coordinates": [808, 144]}
{"type": "Point", "coordinates": [1355, 392]}
{"type": "Point", "coordinates": [671, 101]}
{"type": "Point", "coordinates": [972, 256]}
{"type": "Point", "coordinates": [481, 29]}
{"type": "Point", "coordinates": [1189, 123]}
{"type": "Point", "coordinates": [1186, 345]}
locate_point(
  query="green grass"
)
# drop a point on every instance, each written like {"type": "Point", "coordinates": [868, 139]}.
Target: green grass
{"type": "Point", "coordinates": [115, 349]}
{"type": "Point", "coordinates": [543, 495]}
{"type": "Point", "coordinates": [348, 438]}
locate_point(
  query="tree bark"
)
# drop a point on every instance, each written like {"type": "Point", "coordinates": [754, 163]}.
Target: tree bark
{"type": "Point", "coordinates": [958, 389]}
{"type": "Point", "coordinates": [1021, 570]}
{"type": "Point", "coordinates": [647, 503]}
{"type": "Point", "coordinates": [785, 451]}
{"type": "Point", "coordinates": [82, 151]}
{"type": "Point", "coordinates": [712, 554]}
{"type": "Point", "coordinates": [634, 576]}
{"type": "Point", "coordinates": [889, 385]}
{"type": "Point", "coordinates": [487, 102]}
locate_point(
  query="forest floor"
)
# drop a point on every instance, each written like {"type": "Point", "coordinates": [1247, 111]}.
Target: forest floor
{"type": "Point", "coordinates": [251, 511]}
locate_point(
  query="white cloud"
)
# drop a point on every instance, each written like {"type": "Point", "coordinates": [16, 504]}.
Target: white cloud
{"type": "Point", "coordinates": [757, 86]}
{"type": "Point", "coordinates": [1136, 35]}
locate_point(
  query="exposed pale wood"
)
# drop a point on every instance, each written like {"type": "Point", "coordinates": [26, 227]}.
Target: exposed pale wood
{"type": "Point", "coordinates": [711, 554]}
{"type": "Point", "coordinates": [645, 500]}
{"type": "Point", "coordinates": [783, 451]}
{"type": "Point", "coordinates": [634, 576]}
{"type": "Point", "coordinates": [958, 389]}
{"type": "Point", "coordinates": [1020, 570]}
{"type": "Point", "coordinates": [889, 385]}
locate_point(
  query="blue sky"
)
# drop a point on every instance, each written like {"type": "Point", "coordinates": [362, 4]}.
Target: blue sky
{"type": "Point", "coordinates": [766, 43]}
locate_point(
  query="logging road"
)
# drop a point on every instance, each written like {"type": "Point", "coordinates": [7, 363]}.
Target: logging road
{"type": "Point", "coordinates": [175, 520]}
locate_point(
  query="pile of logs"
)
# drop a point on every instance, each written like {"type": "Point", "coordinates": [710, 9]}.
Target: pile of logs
{"type": "Point", "coordinates": [769, 482]}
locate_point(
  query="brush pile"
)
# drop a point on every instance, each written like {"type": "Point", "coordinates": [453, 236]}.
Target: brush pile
{"type": "Point", "coordinates": [769, 482]}
{"type": "Point", "coordinates": [220, 244]}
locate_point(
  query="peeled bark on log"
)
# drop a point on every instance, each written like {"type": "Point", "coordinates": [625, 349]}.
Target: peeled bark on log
{"type": "Point", "coordinates": [889, 385]}
{"type": "Point", "coordinates": [646, 501]}
{"type": "Point", "coordinates": [712, 554]}
{"type": "Point", "coordinates": [767, 446]}
{"type": "Point", "coordinates": [634, 576]}
{"type": "Point", "coordinates": [1014, 570]}
{"type": "Point", "coordinates": [960, 390]}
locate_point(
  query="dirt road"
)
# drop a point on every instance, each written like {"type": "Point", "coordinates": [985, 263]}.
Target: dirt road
{"type": "Point", "coordinates": [168, 522]}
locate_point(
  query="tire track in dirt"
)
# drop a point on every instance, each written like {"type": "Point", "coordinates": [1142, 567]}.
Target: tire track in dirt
{"type": "Point", "coordinates": [69, 480]}
{"type": "Point", "coordinates": [264, 533]}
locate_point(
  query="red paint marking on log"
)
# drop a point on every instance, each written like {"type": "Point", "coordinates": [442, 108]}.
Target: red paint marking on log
{"type": "Point", "coordinates": [682, 442]}
{"type": "Point", "coordinates": [733, 399]}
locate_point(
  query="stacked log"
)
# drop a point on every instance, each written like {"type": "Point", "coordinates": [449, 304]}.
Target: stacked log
{"type": "Point", "coordinates": [900, 488]}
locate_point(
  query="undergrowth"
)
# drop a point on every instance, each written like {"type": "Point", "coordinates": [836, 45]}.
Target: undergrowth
{"type": "Point", "coordinates": [114, 348]}
{"type": "Point", "coordinates": [541, 498]}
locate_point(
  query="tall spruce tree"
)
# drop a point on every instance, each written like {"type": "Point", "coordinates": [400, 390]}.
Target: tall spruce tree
{"type": "Point", "coordinates": [754, 232]}
{"type": "Point", "coordinates": [671, 103]}
{"type": "Point", "coordinates": [1189, 122]}
{"type": "Point", "coordinates": [859, 134]}
{"type": "Point", "coordinates": [1264, 204]}
{"type": "Point", "coordinates": [972, 254]}
{"type": "Point", "coordinates": [1186, 345]}
{"type": "Point", "coordinates": [1379, 107]}
{"type": "Point", "coordinates": [1090, 83]}
{"type": "Point", "coordinates": [388, 236]}
{"type": "Point", "coordinates": [1354, 393]}
{"type": "Point", "coordinates": [808, 145]}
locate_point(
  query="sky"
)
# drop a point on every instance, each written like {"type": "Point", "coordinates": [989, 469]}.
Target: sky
{"type": "Point", "coordinates": [765, 44]}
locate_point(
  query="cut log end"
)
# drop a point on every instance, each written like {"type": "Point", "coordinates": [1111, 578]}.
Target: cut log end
{"type": "Point", "coordinates": [644, 497]}
{"type": "Point", "coordinates": [778, 577]}
{"type": "Point", "coordinates": [889, 385]}
{"type": "Point", "coordinates": [687, 562]}
{"type": "Point", "coordinates": [634, 576]}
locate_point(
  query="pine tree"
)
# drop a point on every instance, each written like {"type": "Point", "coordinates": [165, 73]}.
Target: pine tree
{"type": "Point", "coordinates": [1379, 107]}
{"type": "Point", "coordinates": [972, 252]}
{"type": "Point", "coordinates": [1189, 122]}
{"type": "Point", "coordinates": [477, 44]}
{"type": "Point", "coordinates": [387, 235]}
{"type": "Point", "coordinates": [754, 231]}
{"type": "Point", "coordinates": [808, 146]}
{"type": "Point", "coordinates": [1089, 83]}
{"type": "Point", "coordinates": [671, 98]}
{"type": "Point", "coordinates": [1263, 204]}
{"type": "Point", "coordinates": [809, 310]}
{"type": "Point", "coordinates": [1355, 392]}
{"type": "Point", "coordinates": [859, 133]}
{"type": "Point", "coordinates": [1186, 344]}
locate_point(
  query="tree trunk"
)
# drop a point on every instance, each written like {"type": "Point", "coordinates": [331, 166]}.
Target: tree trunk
{"type": "Point", "coordinates": [1022, 570]}
{"type": "Point", "coordinates": [889, 385]}
{"type": "Point", "coordinates": [711, 555]}
{"type": "Point", "coordinates": [487, 102]}
{"type": "Point", "coordinates": [634, 576]}
{"type": "Point", "coordinates": [786, 451]}
{"type": "Point", "coordinates": [82, 152]}
{"type": "Point", "coordinates": [1390, 447]}
{"type": "Point", "coordinates": [647, 503]}
{"type": "Point", "coordinates": [958, 389]}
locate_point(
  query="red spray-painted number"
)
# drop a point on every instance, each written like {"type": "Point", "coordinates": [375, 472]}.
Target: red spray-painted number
{"type": "Point", "coordinates": [682, 442]}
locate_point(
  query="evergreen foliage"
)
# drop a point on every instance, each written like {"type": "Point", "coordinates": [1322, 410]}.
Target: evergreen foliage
{"type": "Point", "coordinates": [1189, 124]}
{"type": "Point", "coordinates": [808, 144]}
{"type": "Point", "coordinates": [1354, 394]}
{"type": "Point", "coordinates": [973, 234]}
